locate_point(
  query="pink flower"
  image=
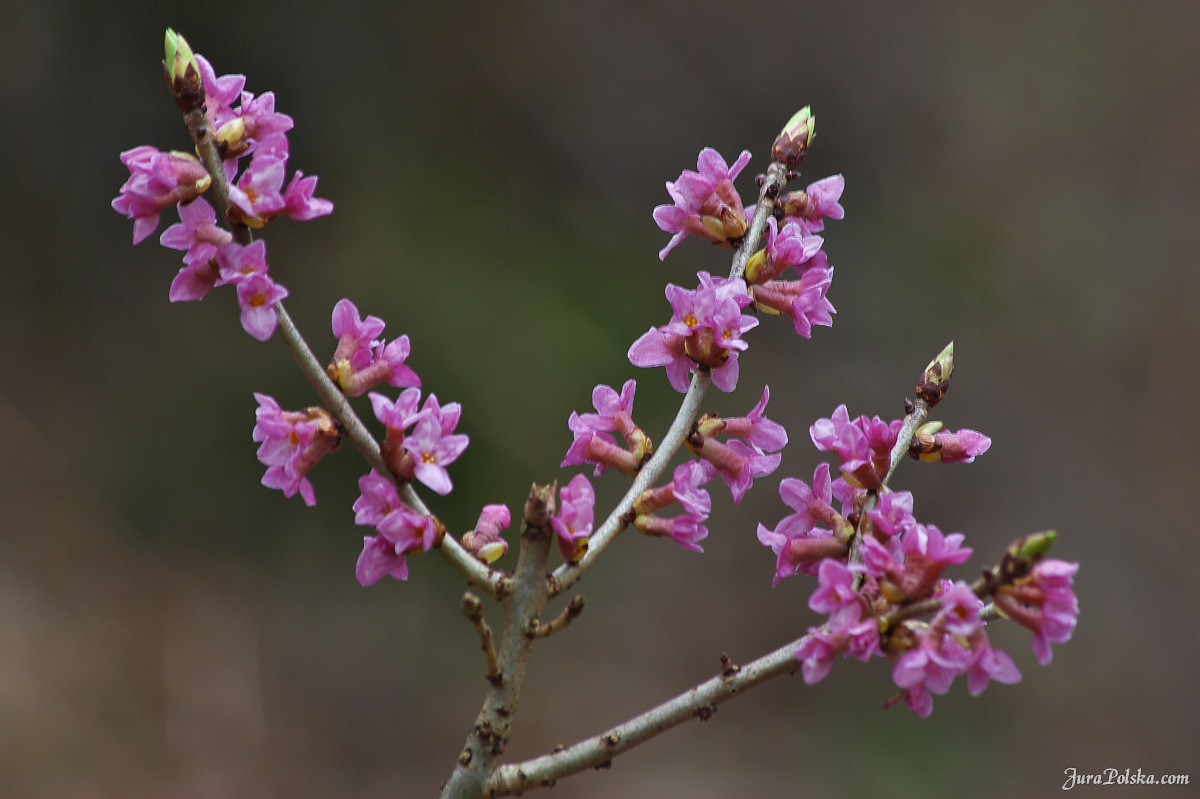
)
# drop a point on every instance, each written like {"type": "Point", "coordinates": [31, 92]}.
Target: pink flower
{"type": "Point", "coordinates": [237, 263]}
{"type": "Point", "coordinates": [816, 654]}
{"type": "Point", "coordinates": [599, 449]}
{"type": "Point", "coordinates": [836, 596]}
{"type": "Point", "coordinates": [157, 180]}
{"type": "Point", "coordinates": [377, 498]}
{"type": "Point", "coordinates": [932, 664]}
{"type": "Point", "coordinates": [738, 464]}
{"type": "Point", "coordinates": [864, 445]}
{"type": "Point", "coordinates": [800, 552]}
{"type": "Point", "coordinates": [573, 522]}
{"type": "Point", "coordinates": [706, 203]}
{"type": "Point", "coordinates": [926, 554]}
{"type": "Point", "coordinates": [197, 232]}
{"type": "Point", "coordinates": [706, 329]}
{"type": "Point", "coordinates": [401, 414]}
{"type": "Point", "coordinates": [291, 444]}
{"type": "Point", "coordinates": [893, 515]}
{"type": "Point", "coordinates": [819, 200]}
{"type": "Point", "coordinates": [484, 542]}
{"type": "Point", "coordinates": [990, 664]}
{"type": "Point", "coordinates": [960, 610]}
{"type": "Point", "coordinates": [789, 247]}
{"type": "Point", "coordinates": [355, 336]}
{"type": "Point", "coordinates": [1045, 604]}
{"type": "Point", "coordinates": [432, 450]}
{"type": "Point", "coordinates": [257, 297]}
{"type": "Point", "coordinates": [400, 532]}
{"type": "Point", "coordinates": [802, 300]}
{"type": "Point", "coordinates": [756, 429]}
{"type": "Point", "coordinates": [219, 93]}
{"type": "Point", "coordinates": [687, 529]}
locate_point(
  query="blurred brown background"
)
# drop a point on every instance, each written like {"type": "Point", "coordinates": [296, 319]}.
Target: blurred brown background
{"type": "Point", "coordinates": [1022, 178]}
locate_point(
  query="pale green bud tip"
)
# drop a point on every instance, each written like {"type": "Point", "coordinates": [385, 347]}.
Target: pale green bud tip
{"type": "Point", "coordinates": [179, 55]}
{"type": "Point", "coordinates": [801, 123]}
{"type": "Point", "coordinates": [943, 365]}
{"type": "Point", "coordinates": [1034, 545]}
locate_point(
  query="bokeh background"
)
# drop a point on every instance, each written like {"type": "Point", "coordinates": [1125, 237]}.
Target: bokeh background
{"type": "Point", "coordinates": [1021, 177]}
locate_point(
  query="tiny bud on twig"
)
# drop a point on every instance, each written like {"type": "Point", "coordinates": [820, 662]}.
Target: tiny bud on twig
{"type": "Point", "coordinates": [472, 608]}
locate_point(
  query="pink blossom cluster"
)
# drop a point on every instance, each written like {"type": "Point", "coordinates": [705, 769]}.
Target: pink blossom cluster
{"type": "Point", "coordinates": [159, 180]}
{"type": "Point", "coordinates": [901, 562]}
{"type": "Point", "coordinates": [705, 332]}
{"type": "Point", "coordinates": [291, 443]}
{"type": "Point", "coordinates": [707, 205]}
{"type": "Point", "coordinates": [400, 530]}
{"type": "Point", "coordinates": [593, 443]}
{"type": "Point", "coordinates": [865, 445]}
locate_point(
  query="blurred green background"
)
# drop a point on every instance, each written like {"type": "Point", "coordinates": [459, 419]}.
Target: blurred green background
{"type": "Point", "coordinates": [1023, 178]}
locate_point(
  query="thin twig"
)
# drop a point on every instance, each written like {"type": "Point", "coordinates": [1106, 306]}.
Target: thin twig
{"type": "Point", "coordinates": [472, 608]}
{"type": "Point", "coordinates": [699, 702]}
{"type": "Point", "coordinates": [537, 629]}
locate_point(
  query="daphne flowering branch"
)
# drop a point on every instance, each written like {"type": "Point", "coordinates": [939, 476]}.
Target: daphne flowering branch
{"type": "Point", "coordinates": [879, 571]}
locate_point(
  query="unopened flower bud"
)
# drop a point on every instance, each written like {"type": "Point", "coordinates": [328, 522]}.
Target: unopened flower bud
{"type": "Point", "coordinates": [1023, 553]}
{"type": "Point", "coordinates": [709, 425]}
{"type": "Point", "coordinates": [232, 141]}
{"type": "Point", "coordinates": [795, 138]}
{"type": "Point", "coordinates": [935, 381]}
{"type": "Point", "coordinates": [183, 73]}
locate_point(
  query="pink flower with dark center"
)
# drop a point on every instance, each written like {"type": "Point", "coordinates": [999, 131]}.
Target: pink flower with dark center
{"type": "Point", "coordinates": [737, 463]}
{"type": "Point", "coordinates": [257, 297]}
{"type": "Point", "coordinates": [484, 542]}
{"type": "Point", "coordinates": [157, 180]}
{"type": "Point", "coordinates": [573, 522]}
{"type": "Point", "coordinates": [756, 429]}
{"type": "Point", "coordinates": [706, 204]}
